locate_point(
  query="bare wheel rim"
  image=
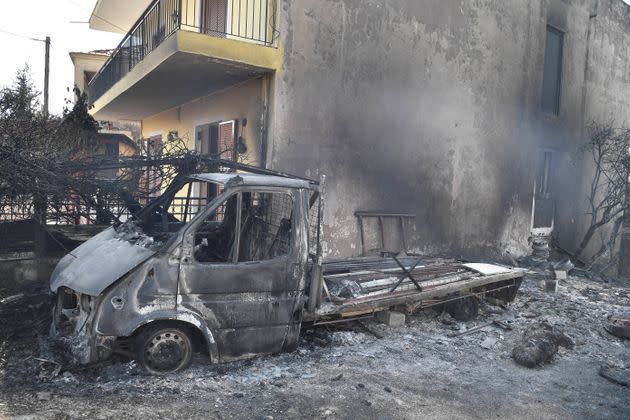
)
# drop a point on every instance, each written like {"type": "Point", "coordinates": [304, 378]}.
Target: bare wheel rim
{"type": "Point", "coordinates": [166, 351]}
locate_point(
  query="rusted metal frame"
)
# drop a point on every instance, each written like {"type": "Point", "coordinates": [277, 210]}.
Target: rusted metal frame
{"type": "Point", "coordinates": [338, 321]}
{"type": "Point", "coordinates": [438, 291]}
{"type": "Point", "coordinates": [402, 233]}
{"type": "Point", "coordinates": [381, 229]}
{"type": "Point", "coordinates": [350, 266]}
{"type": "Point", "coordinates": [317, 280]}
{"type": "Point", "coordinates": [320, 252]}
{"type": "Point", "coordinates": [425, 282]}
{"type": "Point", "coordinates": [380, 215]}
{"type": "Point", "coordinates": [418, 304]}
{"type": "Point", "coordinates": [362, 233]}
{"type": "Point", "coordinates": [434, 302]}
{"type": "Point", "coordinates": [407, 287]}
{"type": "Point", "coordinates": [406, 273]}
{"type": "Point", "coordinates": [362, 277]}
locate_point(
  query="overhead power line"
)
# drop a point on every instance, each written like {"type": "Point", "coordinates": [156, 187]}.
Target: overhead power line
{"type": "Point", "coordinates": [97, 16]}
{"type": "Point", "coordinates": [22, 36]}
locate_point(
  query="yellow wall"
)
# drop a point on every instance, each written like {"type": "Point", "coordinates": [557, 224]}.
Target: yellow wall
{"type": "Point", "coordinates": [236, 103]}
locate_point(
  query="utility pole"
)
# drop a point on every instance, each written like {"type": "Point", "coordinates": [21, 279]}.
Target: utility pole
{"type": "Point", "coordinates": [46, 75]}
{"type": "Point", "coordinates": [39, 200]}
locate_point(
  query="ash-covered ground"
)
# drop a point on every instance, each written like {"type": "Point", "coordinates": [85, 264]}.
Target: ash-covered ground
{"type": "Point", "coordinates": [356, 371]}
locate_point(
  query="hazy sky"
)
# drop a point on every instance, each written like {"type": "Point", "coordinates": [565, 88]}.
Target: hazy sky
{"type": "Point", "coordinates": [37, 19]}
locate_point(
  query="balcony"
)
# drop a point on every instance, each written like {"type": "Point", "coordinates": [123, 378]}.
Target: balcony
{"type": "Point", "coordinates": [179, 50]}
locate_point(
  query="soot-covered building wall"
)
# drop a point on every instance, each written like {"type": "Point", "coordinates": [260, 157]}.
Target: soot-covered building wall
{"type": "Point", "coordinates": [442, 109]}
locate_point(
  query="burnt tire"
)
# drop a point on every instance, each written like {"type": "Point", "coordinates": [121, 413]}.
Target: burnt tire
{"type": "Point", "coordinates": [464, 309]}
{"type": "Point", "coordinates": [164, 348]}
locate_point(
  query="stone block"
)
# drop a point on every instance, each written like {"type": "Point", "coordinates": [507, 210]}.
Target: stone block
{"type": "Point", "coordinates": [560, 274]}
{"type": "Point", "coordinates": [551, 285]}
{"type": "Point", "coordinates": [391, 318]}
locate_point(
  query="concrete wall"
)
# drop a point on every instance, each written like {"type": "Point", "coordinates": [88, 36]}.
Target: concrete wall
{"type": "Point", "coordinates": [434, 108]}
{"type": "Point", "coordinates": [606, 91]}
{"type": "Point", "coordinates": [235, 103]}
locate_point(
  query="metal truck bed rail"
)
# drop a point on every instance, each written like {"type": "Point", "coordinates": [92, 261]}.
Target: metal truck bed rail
{"type": "Point", "coordinates": [365, 285]}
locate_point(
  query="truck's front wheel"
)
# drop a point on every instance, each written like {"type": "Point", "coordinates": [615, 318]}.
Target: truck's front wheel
{"type": "Point", "coordinates": [164, 348]}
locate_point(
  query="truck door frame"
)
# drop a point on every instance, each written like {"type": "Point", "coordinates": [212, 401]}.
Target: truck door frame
{"type": "Point", "coordinates": [267, 299]}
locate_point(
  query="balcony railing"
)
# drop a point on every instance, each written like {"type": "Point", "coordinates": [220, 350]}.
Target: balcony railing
{"type": "Point", "coordinates": [248, 20]}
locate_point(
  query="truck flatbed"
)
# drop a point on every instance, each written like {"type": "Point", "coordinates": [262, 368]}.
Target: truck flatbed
{"type": "Point", "coordinates": [360, 286]}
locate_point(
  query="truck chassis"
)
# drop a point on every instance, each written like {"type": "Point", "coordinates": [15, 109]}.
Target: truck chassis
{"type": "Point", "coordinates": [361, 286]}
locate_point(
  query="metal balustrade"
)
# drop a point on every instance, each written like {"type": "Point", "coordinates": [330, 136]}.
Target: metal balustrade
{"type": "Point", "coordinates": [247, 20]}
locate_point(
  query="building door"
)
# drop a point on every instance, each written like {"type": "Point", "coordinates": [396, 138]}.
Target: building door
{"type": "Point", "coordinates": [543, 206]}
{"type": "Point", "coordinates": [214, 17]}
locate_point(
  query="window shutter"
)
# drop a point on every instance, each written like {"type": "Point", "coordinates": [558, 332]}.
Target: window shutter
{"type": "Point", "coordinates": [226, 140]}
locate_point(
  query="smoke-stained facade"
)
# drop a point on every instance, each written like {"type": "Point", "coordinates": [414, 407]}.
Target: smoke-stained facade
{"type": "Point", "coordinates": [469, 114]}
{"type": "Point", "coordinates": [450, 110]}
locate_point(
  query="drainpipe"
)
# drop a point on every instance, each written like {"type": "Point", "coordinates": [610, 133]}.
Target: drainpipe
{"type": "Point", "coordinates": [264, 119]}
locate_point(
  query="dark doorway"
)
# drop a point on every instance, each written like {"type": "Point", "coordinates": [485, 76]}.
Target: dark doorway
{"type": "Point", "coordinates": [544, 203]}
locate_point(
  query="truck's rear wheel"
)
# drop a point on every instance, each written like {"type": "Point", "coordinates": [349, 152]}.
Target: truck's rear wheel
{"type": "Point", "coordinates": [464, 309]}
{"type": "Point", "coordinates": [164, 348]}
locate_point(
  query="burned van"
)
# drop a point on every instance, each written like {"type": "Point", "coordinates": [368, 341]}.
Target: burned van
{"type": "Point", "coordinates": [237, 275]}
{"type": "Point", "coordinates": [228, 274]}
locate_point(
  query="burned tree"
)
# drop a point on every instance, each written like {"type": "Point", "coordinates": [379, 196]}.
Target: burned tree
{"type": "Point", "coordinates": [52, 164]}
{"type": "Point", "coordinates": [608, 147]}
{"type": "Point", "coordinates": [55, 171]}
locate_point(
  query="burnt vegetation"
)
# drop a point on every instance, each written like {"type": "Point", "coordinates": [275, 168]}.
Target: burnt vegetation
{"type": "Point", "coordinates": [608, 148]}
{"type": "Point", "coordinates": [53, 168]}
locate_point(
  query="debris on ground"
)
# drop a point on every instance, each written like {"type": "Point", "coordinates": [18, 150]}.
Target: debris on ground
{"type": "Point", "coordinates": [539, 344]}
{"type": "Point", "coordinates": [618, 326]}
{"type": "Point", "coordinates": [11, 299]}
{"type": "Point", "coordinates": [616, 375]}
{"type": "Point", "coordinates": [505, 325]}
{"type": "Point", "coordinates": [430, 372]}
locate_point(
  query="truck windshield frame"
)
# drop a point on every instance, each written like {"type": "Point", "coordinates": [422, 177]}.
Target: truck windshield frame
{"type": "Point", "coordinates": [190, 228]}
{"type": "Point", "coordinates": [159, 218]}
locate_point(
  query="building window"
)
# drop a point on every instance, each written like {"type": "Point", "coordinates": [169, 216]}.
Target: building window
{"type": "Point", "coordinates": [553, 71]}
{"type": "Point", "coordinates": [111, 150]}
{"type": "Point", "coordinates": [217, 140]}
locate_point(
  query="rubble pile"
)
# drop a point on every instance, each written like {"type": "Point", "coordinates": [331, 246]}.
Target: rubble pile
{"type": "Point", "coordinates": [539, 344]}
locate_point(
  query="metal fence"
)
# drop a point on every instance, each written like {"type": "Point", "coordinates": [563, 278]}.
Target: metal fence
{"type": "Point", "coordinates": [248, 20]}
{"type": "Point", "coordinates": [66, 211]}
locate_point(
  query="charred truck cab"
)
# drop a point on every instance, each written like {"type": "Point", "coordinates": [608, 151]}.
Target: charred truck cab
{"type": "Point", "coordinates": [236, 275]}
{"type": "Point", "coordinates": [229, 274]}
